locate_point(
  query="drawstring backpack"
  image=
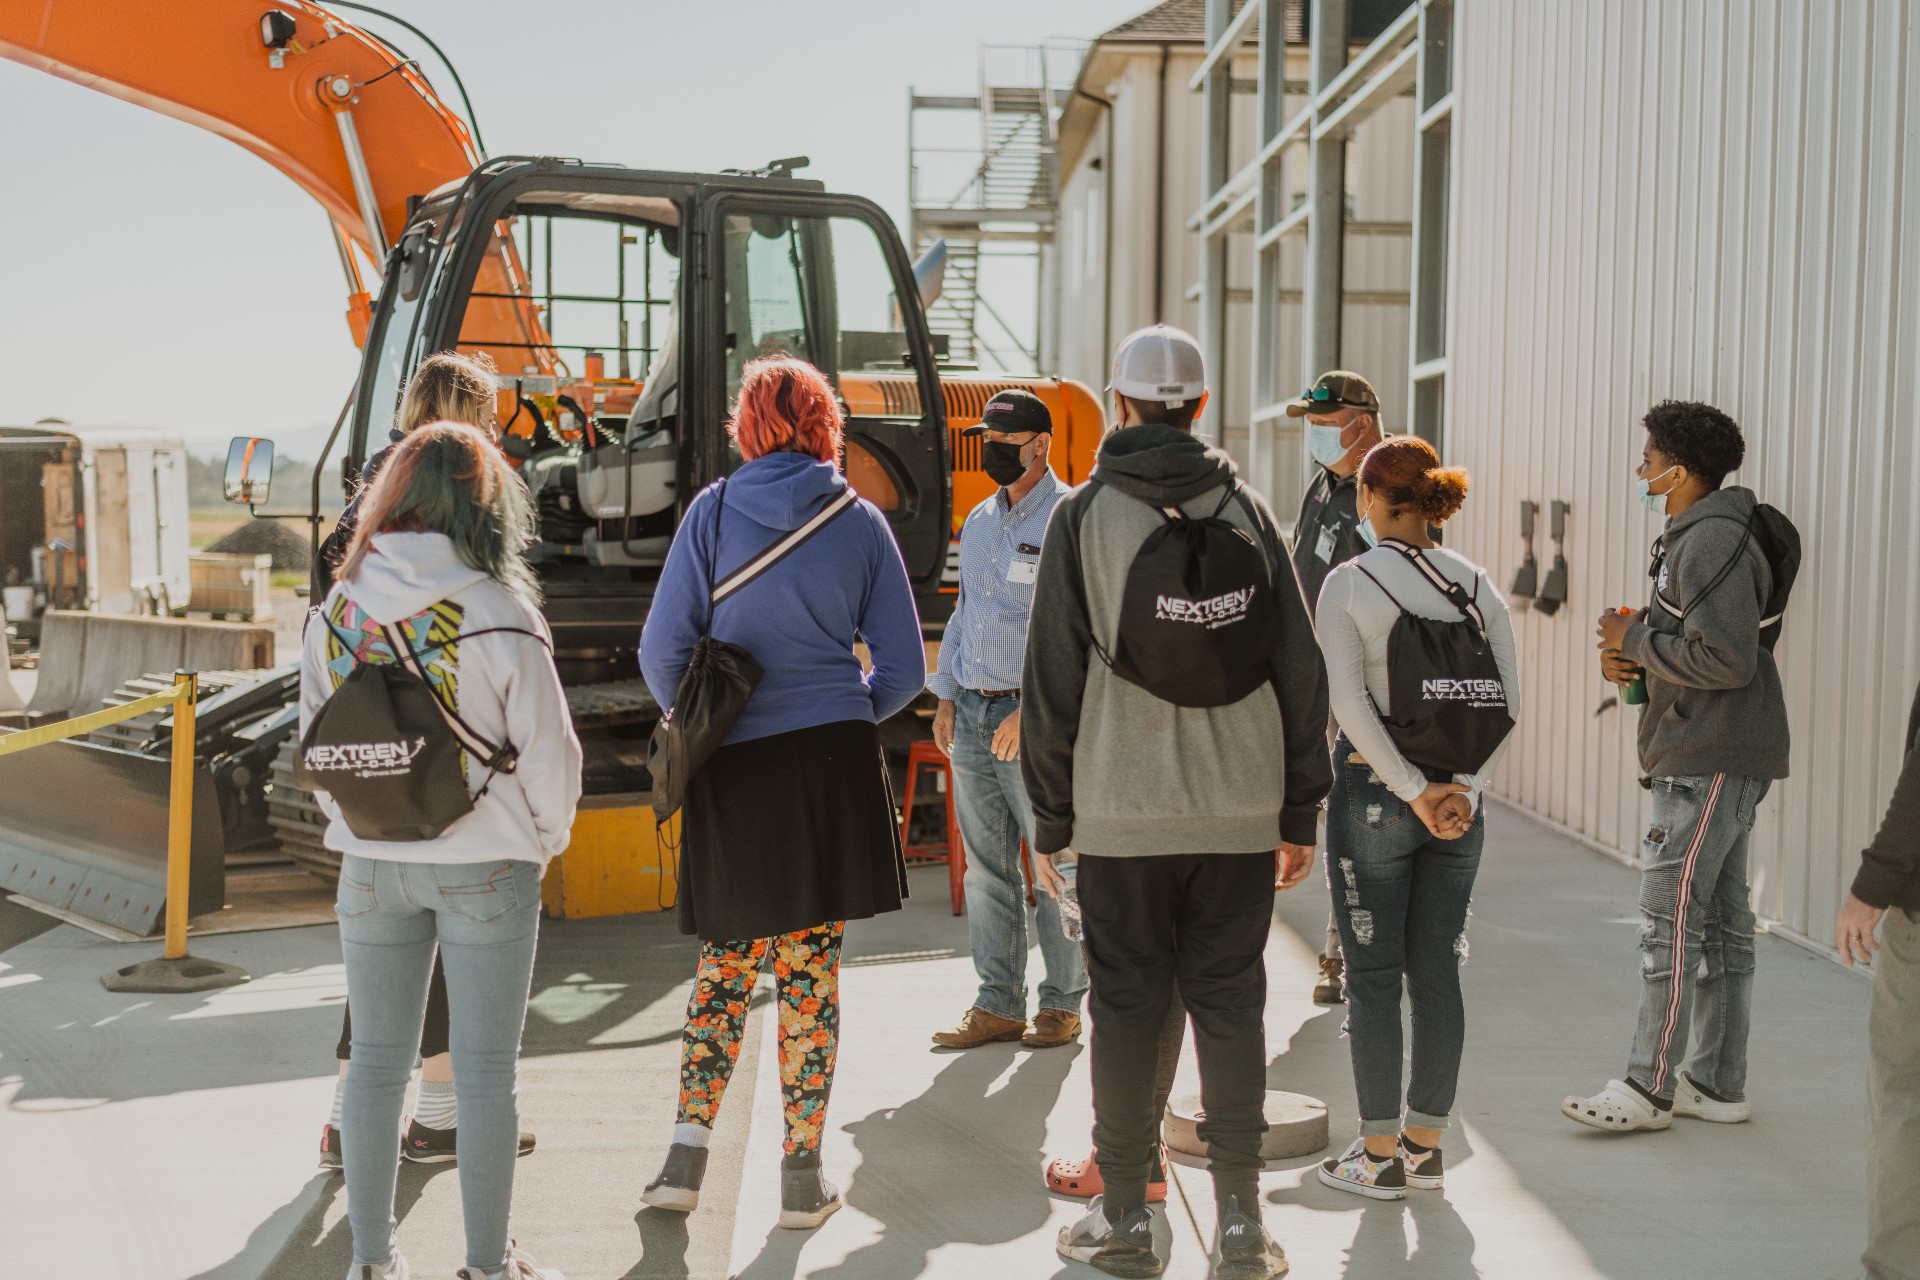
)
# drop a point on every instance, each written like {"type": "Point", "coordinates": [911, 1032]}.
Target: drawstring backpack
{"type": "Point", "coordinates": [386, 746]}
{"type": "Point", "coordinates": [1197, 615]}
{"type": "Point", "coordinates": [1449, 702]}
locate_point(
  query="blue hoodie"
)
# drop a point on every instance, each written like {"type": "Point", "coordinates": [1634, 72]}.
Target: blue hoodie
{"type": "Point", "coordinates": [801, 618]}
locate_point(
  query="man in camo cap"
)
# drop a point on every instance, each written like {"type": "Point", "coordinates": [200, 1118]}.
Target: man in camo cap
{"type": "Point", "coordinates": [1343, 422]}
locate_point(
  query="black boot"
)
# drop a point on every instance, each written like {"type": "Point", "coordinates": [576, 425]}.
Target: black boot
{"type": "Point", "coordinates": [807, 1199]}
{"type": "Point", "coordinates": [677, 1188]}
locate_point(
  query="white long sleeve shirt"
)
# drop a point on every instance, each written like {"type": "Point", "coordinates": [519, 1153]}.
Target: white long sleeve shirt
{"type": "Point", "coordinates": [504, 685]}
{"type": "Point", "coordinates": [1354, 619]}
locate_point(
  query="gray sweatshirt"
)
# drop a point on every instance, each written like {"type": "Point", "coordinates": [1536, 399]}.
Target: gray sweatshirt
{"type": "Point", "coordinates": [1112, 770]}
{"type": "Point", "coordinates": [1713, 694]}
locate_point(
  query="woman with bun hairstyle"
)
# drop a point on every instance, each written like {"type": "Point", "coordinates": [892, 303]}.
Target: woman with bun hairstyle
{"type": "Point", "coordinates": [1403, 842]}
{"type": "Point", "coordinates": [789, 831]}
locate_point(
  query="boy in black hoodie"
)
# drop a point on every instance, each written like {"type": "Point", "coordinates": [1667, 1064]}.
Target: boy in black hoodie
{"type": "Point", "coordinates": [1713, 739]}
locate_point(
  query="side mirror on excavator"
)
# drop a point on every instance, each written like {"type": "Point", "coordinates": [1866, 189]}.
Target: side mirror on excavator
{"type": "Point", "coordinates": [249, 475]}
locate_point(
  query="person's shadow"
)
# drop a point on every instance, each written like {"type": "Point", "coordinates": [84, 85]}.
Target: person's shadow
{"type": "Point", "coordinates": [311, 1250]}
{"type": "Point", "coordinates": [922, 1165]}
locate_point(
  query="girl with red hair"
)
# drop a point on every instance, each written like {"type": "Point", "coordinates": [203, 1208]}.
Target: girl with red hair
{"type": "Point", "coordinates": [1404, 838]}
{"type": "Point", "coordinates": [789, 830]}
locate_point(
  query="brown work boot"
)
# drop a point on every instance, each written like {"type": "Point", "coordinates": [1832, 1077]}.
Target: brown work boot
{"type": "Point", "coordinates": [1328, 989]}
{"type": "Point", "coordinates": [1051, 1029]}
{"type": "Point", "coordinates": [980, 1027]}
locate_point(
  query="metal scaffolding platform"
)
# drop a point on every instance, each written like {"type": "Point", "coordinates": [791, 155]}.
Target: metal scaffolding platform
{"type": "Point", "coordinates": [1002, 190]}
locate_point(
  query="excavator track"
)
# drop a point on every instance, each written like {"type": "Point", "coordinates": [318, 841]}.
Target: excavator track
{"type": "Point", "coordinates": [140, 732]}
{"type": "Point", "coordinates": [296, 817]}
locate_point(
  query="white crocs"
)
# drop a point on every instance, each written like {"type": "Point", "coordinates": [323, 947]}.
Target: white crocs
{"type": "Point", "coordinates": [1689, 1100]}
{"type": "Point", "coordinates": [1618, 1108]}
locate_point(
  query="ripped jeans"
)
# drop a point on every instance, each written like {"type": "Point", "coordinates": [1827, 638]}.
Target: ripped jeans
{"type": "Point", "coordinates": [1694, 885]}
{"type": "Point", "coordinates": [1400, 897]}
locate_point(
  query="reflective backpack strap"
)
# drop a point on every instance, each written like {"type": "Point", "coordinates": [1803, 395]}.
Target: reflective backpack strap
{"type": "Point", "coordinates": [497, 758]}
{"type": "Point", "coordinates": [786, 546]}
{"type": "Point", "coordinates": [1455, 594]}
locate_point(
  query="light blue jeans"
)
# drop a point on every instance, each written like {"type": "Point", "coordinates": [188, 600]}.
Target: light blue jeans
{"type": "Point", "coordinates": [991, 802]}
{"type": "Point", "coordinates": [485, 917]}
{"type": "Point", "coordinates": [1693, 893]}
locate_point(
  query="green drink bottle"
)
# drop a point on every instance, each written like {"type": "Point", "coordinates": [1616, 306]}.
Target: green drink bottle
{"type": "Point", "coordinates": [1634, 691]}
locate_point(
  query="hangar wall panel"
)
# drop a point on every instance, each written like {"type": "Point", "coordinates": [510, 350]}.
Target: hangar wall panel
{"type": "Point", "coordinates": [1699, 199]}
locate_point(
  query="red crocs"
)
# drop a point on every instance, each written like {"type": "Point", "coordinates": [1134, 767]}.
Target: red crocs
{"type": "Point", "coordinates": [1082, 1178]}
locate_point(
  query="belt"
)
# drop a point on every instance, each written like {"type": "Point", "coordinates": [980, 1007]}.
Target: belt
{"type": "Point", "coordinates": [997, 693]}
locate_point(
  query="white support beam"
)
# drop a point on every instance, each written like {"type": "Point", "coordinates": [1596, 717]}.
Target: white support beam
{"type": "Point", "coordinates": [1289, 225]}
{"type": "Point", "coordinates": [1434, 114]}
{"type": "Point", "coordinates": [1387, 44]}
{"type": "Point", "coordinates": [1240, 211]}
{"type": "Point", "coordinates": [1224, 47]}
{"type": "Point", "coordinates": [1428, 370]}
{"type": "Point", "coordinates": [1392, 79]}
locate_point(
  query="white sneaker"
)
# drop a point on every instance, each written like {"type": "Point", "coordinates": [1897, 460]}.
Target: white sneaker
{"type": "Point", "coordinates": [519, 1267]}
{"type": "Point", "coordinates": [1690, 1100]}
{"type": "Point", "coordinates": [1618, 1108]}
{"type": "Point", "coordinates": [1364, 1174]}
{"type": "Point", "coordinates": [394, 1268]}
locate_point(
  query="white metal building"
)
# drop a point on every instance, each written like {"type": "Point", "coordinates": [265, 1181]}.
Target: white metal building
{"type": "Point", "coordinates": [1132, 169]}
{"type": "Point", "coordinates": [1615, 204]}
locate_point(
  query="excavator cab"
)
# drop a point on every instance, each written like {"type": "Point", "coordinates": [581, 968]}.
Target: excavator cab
{"type": "Point", "coordinates": [620, 307]}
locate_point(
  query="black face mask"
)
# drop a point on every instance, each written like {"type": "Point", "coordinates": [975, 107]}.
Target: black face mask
{"type": "Point", "coordinates": [1000, 459]}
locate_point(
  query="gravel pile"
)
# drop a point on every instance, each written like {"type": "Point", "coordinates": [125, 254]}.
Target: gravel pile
{"type": "Point", "coordinates": [287, 543]}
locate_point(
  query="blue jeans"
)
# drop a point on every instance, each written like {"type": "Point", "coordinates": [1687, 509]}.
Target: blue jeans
{"type": "Point", "coordinates": [1693, 885]}
{"type": "Point", "coordinates": [991, 802]}
{"type": "Point", "coordinates": [485, 917]}
{"type": "Point", "coordinates": [1400, 898]}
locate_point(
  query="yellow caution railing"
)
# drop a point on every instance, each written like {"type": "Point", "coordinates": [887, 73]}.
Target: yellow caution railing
{"type": "Point", "coordinates": [183, 696]}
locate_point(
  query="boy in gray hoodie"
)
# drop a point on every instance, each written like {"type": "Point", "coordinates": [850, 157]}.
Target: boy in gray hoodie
{"type": "Point", "coordinates": [1177, 814]}
{"type": "Point", "coordinates": [1713, 739]}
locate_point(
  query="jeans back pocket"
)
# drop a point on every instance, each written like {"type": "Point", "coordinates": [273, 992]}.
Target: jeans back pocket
{"type": "Point", "coordinates": [480, 891]}
{"type": "Point", "coordinates": [1369, 803]}
{"type": "Point", "coordinates": [355, 896]}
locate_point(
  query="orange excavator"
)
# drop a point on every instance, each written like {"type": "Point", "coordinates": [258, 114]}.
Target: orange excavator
{"type": "Point", "coordinates": [618, 305]}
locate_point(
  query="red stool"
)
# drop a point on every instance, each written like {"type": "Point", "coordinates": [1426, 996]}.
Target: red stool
{"type": "Point", "coordinates": [925, 756]}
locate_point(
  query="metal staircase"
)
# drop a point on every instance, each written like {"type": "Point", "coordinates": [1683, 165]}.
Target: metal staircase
{"type": "Point", "coordinates": [1002, 190]}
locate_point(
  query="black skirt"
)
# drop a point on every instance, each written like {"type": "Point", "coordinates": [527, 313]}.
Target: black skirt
{"type": "Point", "coordinates": [784, 833]}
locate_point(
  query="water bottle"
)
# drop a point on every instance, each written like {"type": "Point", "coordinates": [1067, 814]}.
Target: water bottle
{"type": "Point", "coordinates": [1069, 899]}
{"type": "Point", "coordinates": [1634, 691]}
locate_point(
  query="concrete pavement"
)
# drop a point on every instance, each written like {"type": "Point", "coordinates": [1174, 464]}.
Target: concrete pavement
{"type": "Point", "coordinates": [173, 1137]}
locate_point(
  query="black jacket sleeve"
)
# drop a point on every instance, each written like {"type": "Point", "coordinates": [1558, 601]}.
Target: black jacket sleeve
{"type": "Point", "coordinates": [1890, 867]}
{"type": "Point", "coordinates": [1054, 682]}
{"type": "Point", "coordinates": [1300, 682]}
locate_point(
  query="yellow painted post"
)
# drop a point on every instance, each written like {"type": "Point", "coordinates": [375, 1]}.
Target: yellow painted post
{"type": "Point", "coordinates": [180, 813]}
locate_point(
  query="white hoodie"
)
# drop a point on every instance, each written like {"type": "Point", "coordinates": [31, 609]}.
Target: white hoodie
{"type": "Point", "coordinates": [506, 688]}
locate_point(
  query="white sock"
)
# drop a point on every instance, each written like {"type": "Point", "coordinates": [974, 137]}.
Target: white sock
{"type": "Point", "coordinates": [434, 1106]}
{"type": "Point", "coordinates": [339, 1094]}
{"type": "Point", "coordinates": [692, 1135]}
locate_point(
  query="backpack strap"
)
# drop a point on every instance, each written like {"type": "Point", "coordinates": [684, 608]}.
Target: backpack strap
{"type": "Point", "coordinates": [780, 550]}
{"type": "Point", "coordinates": [1726, 569]}
{"type": "Point", "coordinates": [1456, 595]}
{"type": "Point", "coordinates": [498, 759]}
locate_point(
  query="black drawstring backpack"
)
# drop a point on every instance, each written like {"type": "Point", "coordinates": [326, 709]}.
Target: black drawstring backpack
{"type": "Point", "coordinates": [1449, 702]}
{"type": "Point", "coordinates": [387, 748]}
{"type": "Point", "coordinates": [720, 676]}
{"type": "Point", "coordinates": [1197, 616]}
{"type": "Point", "coordinates": [1779, 544]}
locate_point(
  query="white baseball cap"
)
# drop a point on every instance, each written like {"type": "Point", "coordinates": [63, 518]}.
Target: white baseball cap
{"type": "Point", "coordinates": [1159, 363]}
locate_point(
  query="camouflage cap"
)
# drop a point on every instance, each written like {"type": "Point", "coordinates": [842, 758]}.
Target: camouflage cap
{"type": "Point", "coordinates": [1333, 391]}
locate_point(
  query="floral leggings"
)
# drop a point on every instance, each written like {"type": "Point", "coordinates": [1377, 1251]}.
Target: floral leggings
{"type": "Point", "coordinates": [806, 970]}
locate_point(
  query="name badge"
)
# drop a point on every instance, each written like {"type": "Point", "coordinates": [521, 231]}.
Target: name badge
{"type": "Point", "coordinates": [1025, 572]}
{"type": "Point", "coordinates": [1323, 547]}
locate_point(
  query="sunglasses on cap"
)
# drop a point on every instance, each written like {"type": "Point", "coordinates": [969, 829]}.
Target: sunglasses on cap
{"type": "Point", "coordinates": [1324, 395]}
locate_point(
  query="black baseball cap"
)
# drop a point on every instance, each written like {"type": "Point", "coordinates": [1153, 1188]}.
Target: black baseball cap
{"type": "Point", "coordinates": [1012, 411]}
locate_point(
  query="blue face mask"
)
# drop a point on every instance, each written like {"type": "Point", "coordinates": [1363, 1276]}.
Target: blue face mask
{"type": "Point", "coordinates": [1324, 444]}
{"type": "Point", "coordinates": [1643, 489]}
{"type": "Point", "coordinates": [1367, 535]}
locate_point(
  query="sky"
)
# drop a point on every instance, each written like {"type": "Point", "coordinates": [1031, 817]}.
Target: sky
{"type": "Point", "coordinates": [156, 275]}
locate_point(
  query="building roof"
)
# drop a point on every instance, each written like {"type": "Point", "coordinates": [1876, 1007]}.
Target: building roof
{"type": "Point", "coordinates": [1179, 21]}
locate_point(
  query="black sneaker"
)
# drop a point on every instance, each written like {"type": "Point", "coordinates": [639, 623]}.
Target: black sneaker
{"type": "Point", "coordinates": [677, 1187]}
{"type": "Point", "coordinates": [807, 1199]}
{"type": "Point", "coordinates": [1123, 1248]}
{"type": "Point", "coordinates": [436, 1146]}
{"type": "Point", "coordinates": [1242, 1249]}
{"type": "Point", "coordinates": [330, 1157]}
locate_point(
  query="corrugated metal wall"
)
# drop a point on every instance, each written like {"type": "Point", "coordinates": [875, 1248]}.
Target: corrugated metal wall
{"type": "Point", "coordinates": [1702, 199]}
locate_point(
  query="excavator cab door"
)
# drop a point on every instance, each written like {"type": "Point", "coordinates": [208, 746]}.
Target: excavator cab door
{"type": "Point", "coordinates": [826, 279]}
